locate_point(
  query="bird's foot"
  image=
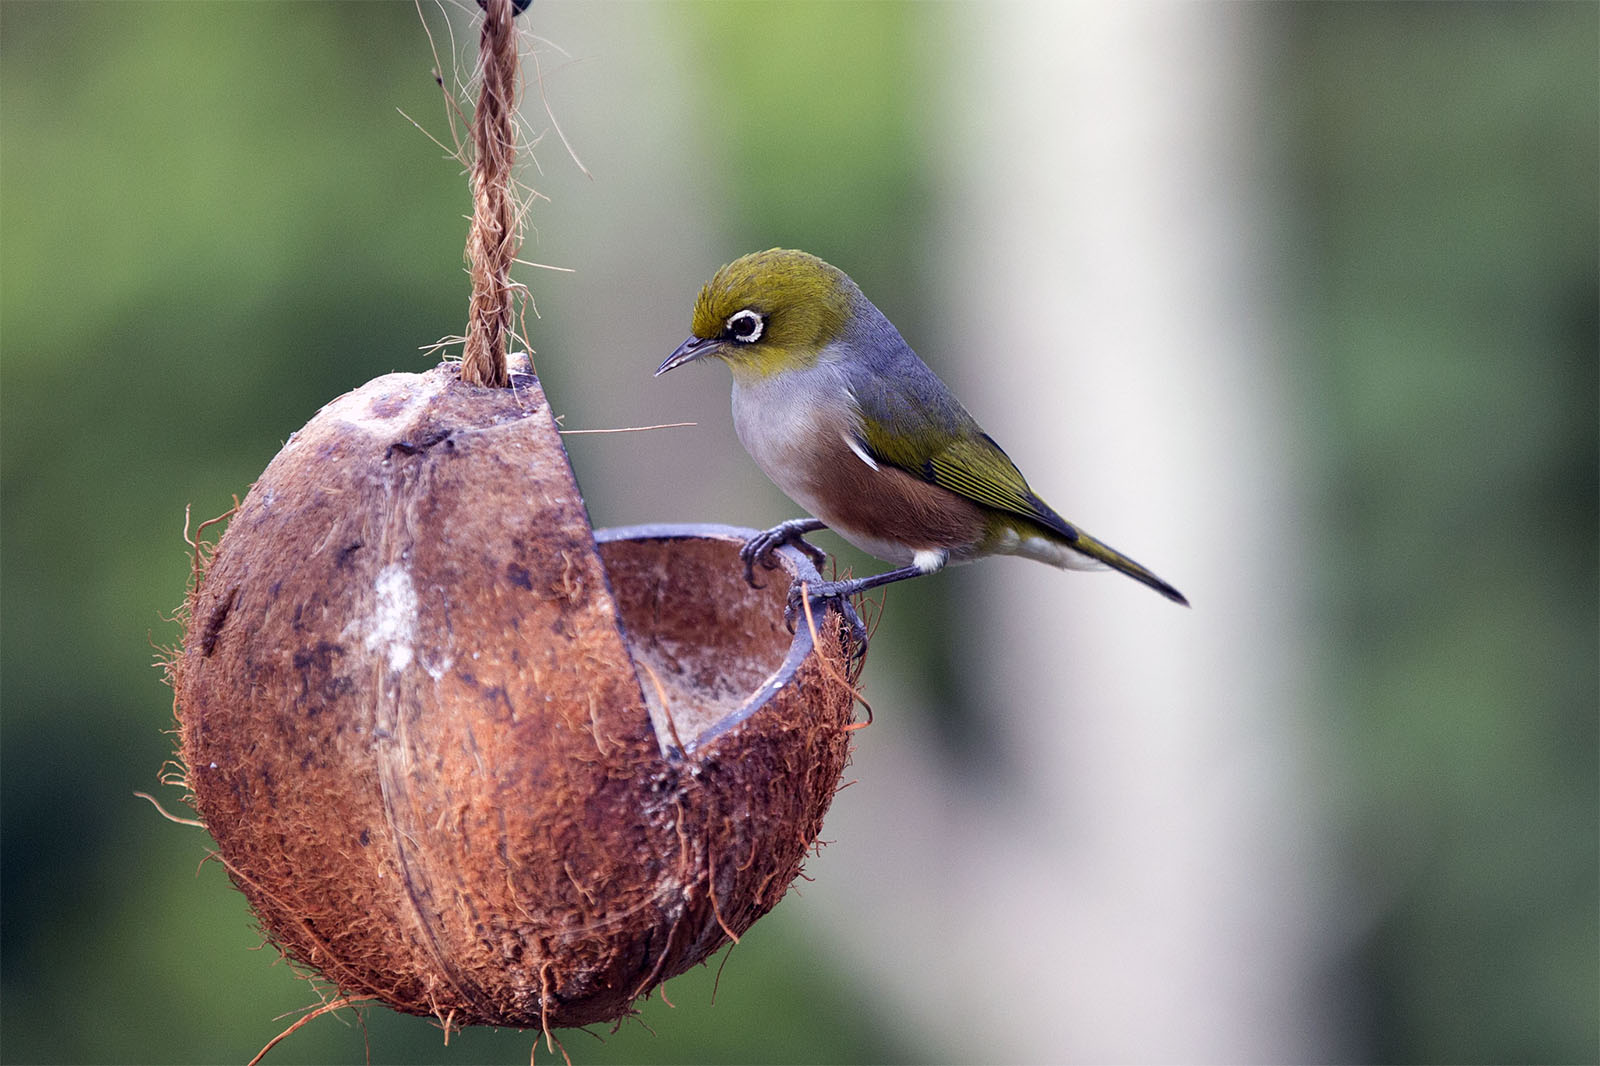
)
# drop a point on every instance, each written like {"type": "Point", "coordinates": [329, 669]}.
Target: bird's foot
{"type": "Point", "coordinates": [760, 547]}
{"type": "Point", "coordinates": [821, 594]}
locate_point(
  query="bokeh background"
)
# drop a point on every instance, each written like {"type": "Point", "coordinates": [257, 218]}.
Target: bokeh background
{"type": "Point", "coordinates": [1295, 302]}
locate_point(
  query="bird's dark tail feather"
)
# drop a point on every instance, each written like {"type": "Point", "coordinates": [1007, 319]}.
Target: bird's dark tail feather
{"type": "Point", "coordinates": [1105, 553]}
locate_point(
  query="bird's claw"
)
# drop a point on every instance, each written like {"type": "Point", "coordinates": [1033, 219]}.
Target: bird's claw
{"type": "Point", "coordinates": [821, 594]}
{"type": "Point", "coordinates": [760, 547]}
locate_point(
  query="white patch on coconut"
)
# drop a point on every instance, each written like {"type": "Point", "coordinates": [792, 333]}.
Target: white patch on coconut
{"type": "Point", "coordinates": [383, 407]}
{"type": "Point", "coordinates": [394, 622]}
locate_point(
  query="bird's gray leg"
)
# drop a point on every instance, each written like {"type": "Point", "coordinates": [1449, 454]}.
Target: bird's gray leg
{"type": "Point", "coordinates": [762, 545]}
{"type": "Point", "coordinates": [840, 592]}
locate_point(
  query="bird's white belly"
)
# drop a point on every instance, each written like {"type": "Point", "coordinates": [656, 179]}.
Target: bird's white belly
{"type": "Point", "coordinates": [794, 425]}
{"type": "Point", "coordinates": [779, 427]}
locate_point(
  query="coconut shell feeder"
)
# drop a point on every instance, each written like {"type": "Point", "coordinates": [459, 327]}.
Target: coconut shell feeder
{"type": "Point", "coordinates": [463, 754]}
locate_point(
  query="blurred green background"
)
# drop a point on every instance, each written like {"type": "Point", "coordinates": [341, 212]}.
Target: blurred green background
{"type": "Point", "coordinates": [213, 220]}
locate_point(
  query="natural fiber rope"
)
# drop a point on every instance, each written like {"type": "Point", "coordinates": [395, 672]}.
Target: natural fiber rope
{"type": "Point", "coordinates": [493, 240]}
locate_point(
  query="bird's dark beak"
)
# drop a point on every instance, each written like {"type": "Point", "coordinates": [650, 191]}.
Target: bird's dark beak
{"type": "Point", "coordinates": [687, 352]}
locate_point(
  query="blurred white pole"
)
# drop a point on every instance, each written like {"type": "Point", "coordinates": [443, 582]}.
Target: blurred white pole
{"type": "Point", "coordinates": [1145, 889]}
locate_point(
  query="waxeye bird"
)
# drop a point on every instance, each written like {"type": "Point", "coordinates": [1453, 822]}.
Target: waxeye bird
{"type": "Point", "coordinates": [842, 415]}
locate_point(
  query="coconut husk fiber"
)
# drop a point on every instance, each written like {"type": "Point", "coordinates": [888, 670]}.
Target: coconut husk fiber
{"type": "Point", "coordinates": [463, 759]}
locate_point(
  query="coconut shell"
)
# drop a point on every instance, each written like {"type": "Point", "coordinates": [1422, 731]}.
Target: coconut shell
{"type": "Point", "coordinates": [412, 717]}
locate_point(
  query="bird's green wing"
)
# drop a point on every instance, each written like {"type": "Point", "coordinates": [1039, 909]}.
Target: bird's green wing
{"type": "Point", "coordinates": [928, 434]}
{"type": "Point", "coordinates": [911, 421]}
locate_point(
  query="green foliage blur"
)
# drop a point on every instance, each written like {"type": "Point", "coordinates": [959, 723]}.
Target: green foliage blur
{"type": "Point", "coordinates": [213, 220]}
{"type": "Point", "coordinates": [1447, 164]}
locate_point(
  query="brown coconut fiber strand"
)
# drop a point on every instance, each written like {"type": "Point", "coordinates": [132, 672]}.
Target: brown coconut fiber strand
{"type": "Point", "coordinates": [493, 240]}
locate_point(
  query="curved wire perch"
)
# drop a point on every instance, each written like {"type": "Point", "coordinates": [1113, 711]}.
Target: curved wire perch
{"type": "Point", "coordinates": [806, 638]}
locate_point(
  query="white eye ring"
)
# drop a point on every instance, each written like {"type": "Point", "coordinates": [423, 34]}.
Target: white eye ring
{"type": "Point", "coordinates": [745, 326]}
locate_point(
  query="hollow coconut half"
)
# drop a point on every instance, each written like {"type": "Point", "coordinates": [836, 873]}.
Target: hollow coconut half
{"type": "Point", "coordinates": [464, 759]}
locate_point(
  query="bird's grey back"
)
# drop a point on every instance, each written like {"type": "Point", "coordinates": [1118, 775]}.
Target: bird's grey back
{"type": "Point", "coordinates": [892, 385]}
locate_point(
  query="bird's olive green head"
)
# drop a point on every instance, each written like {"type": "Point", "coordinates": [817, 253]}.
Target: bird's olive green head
{"type": "Point", "coordinates": [768, 312]}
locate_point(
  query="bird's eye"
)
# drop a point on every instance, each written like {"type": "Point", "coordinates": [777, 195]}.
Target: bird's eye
{"type": "Point", "coordinates": [745, 326]}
